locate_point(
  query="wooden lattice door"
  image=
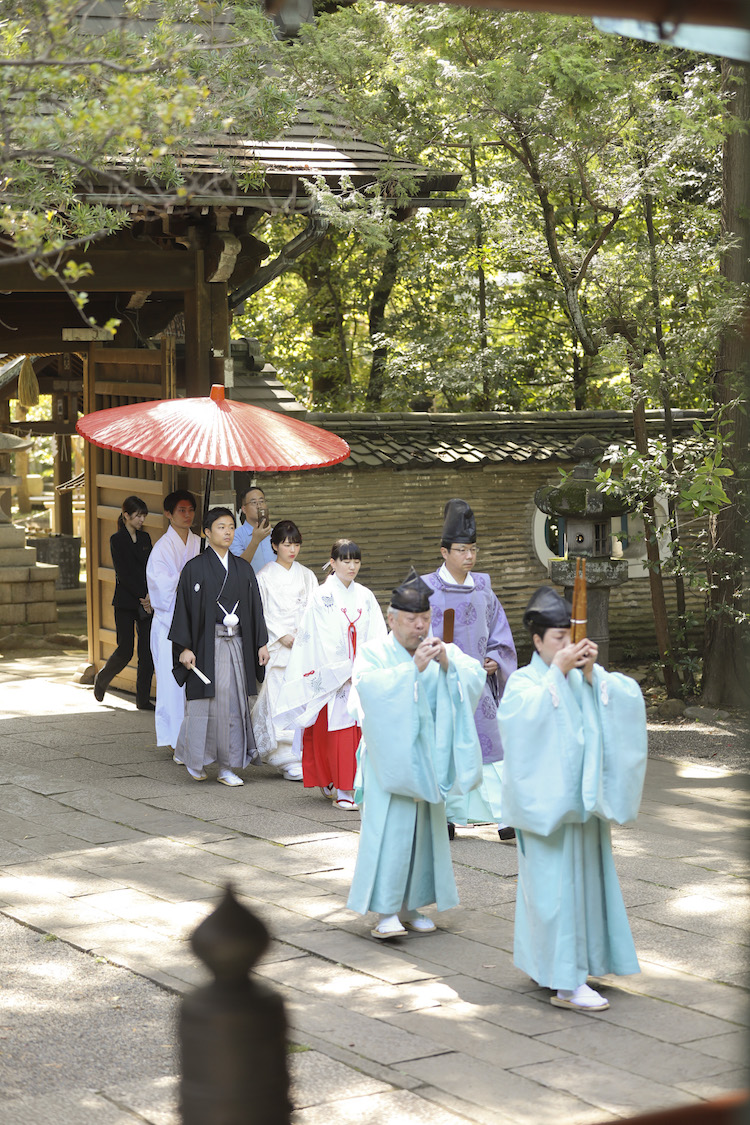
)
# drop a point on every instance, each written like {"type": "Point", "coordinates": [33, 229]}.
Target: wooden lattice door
{"type": "Point", "coordinates": [117, 377]}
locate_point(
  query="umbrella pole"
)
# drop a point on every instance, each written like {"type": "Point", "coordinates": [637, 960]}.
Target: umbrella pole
{"type": "Point", "coordinates": [206, 501]}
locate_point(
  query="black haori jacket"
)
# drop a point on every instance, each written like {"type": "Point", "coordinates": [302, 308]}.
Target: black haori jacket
{"type": "Point", "coordinates": [195, 616]}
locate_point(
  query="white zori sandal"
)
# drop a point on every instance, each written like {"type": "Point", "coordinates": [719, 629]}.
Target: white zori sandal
{"type": "Point", "coordinates": [582, 999]}
{"type": "Point", "coordinates": [389, 926]}
{"type": "Point", "coordinates": [420, 924]}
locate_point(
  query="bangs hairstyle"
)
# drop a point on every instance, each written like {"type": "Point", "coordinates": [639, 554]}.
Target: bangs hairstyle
{"type": "Point", "coordinates": [214, 514]}
{"type": "Point", "coordinates": [345, 549]}
{"type": "Point", "coordinates": [285, 530]}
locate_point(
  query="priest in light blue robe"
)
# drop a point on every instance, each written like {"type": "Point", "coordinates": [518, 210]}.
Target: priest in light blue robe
{"type": "Point", "coordinates": [575, 760]}
{"type": "Point", "coordinates": [414, 698]}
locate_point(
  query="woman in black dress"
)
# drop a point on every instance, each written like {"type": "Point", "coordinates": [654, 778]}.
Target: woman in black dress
{"type": "Point", "coordinates": [130, 547]}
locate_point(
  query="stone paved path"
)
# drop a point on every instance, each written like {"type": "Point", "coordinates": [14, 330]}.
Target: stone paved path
{"type": "Point", "coordinates": [109, 846]}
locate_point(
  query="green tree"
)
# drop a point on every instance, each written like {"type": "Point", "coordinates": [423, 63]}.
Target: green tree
{"type": "Point", "coordinates": [98, 104]}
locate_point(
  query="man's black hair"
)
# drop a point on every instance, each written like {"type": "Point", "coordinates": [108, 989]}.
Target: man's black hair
{"type": "Point", "coordinates": [213, 514]}
{"type": "Point", "coordinates": [174, 498]}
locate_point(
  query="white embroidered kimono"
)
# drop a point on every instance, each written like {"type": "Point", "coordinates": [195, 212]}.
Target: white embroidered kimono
{"type": "Point", "coordinates": [575, 759]}
{"type": "Point", "coordinates": [320, 666]}
{"type": "Point", "coordinates": [168, 556]}
{"type": "Point", "coordinates": [286, 595]}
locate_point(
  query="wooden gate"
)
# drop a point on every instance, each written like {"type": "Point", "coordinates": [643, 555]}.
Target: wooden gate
{"type": "Point", "coordinates": [117, 377]}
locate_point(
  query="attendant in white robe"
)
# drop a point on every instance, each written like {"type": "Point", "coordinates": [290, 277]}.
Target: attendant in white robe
{"type": "Point", "coordinates": [414, 697]}
{"type": "Point", "coordinates": [341, 616]}
{"type": "Point", "coordinates": [285, 589]}
{"type": "Point", "coordinates": [168, 556]}
{"type": "Point", "coordinates": [575, 760]}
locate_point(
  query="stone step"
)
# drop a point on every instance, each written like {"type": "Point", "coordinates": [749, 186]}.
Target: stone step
{"type": "Point", "coordinates": [11, 536]}
{"type": "Point", "coordinates": [17, 556]}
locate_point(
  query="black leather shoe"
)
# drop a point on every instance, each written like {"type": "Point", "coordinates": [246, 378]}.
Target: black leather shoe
{"type": "Point", "coordinates": [451, 830]}
{"type": "Point", "coordinates": [99, 689]}
{"type": "Point", "coordinates": [506, 833]}
{"type": "Point", "coordinates": [147, 706]}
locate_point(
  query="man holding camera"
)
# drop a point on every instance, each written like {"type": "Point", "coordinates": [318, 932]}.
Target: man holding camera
{"type": "Point", "coordinates": [252, 538]}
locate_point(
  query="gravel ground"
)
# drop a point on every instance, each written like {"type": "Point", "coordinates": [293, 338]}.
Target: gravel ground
{"type": "Point", "coordinates": [722, 742]}
{"type": "Point", "coordinates": [70, 1021]}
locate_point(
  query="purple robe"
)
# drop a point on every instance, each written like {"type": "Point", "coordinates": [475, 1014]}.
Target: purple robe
{"type": "Point", "coordinates": [481, 629]}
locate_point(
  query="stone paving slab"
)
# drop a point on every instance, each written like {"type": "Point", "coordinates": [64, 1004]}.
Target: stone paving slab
{"type": "Point", "coordinates": [79, 1108]}
{"type": "Point", "coordinates": [717, 916]}
{"type": "Point", "coordinates": [374, 1109]}
{"type": "Point", "coordinates": [515, 1100]}
{"type": "Point", "coordinates": [109, 844]}
{"type": "Point", "coordinates": [683, 949]}
{"type": "Point", "coordinates": [608, 1088]}
{"type": "Point", "coordinates": [454, 1024]}
{"type": "Point", "coordinates": [637, 1053]}
{"type": "Point", "coordinates": [669, 1022]}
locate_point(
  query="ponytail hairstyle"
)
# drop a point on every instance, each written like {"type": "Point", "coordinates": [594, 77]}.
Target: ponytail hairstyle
{"type": "Point", "coordinates": [131, 506]}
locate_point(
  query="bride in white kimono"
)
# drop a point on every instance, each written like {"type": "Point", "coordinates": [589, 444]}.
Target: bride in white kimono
{"type": "Point", "coordinates": [286, 589]}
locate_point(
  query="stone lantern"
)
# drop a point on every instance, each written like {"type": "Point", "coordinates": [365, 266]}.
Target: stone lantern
{"type": "Point", "coordinates": [588, 515]}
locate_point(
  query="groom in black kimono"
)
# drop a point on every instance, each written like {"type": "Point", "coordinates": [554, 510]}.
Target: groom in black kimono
{"type": "Point", "coordinates": [219, 644]}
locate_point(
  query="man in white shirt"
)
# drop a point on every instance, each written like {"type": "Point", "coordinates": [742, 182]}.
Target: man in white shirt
{"type": "Point", "coordinates": [165, 563]}
{"type": "Point", "coordinates": [252, 538]}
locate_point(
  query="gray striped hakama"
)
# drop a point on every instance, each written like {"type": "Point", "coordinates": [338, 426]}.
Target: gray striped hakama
{"type": "Point", "coordinates": [219, 728]}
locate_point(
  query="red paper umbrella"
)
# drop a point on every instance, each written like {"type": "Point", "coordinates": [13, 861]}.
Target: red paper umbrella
{"type": "Point", "coordinates": [212, 433]}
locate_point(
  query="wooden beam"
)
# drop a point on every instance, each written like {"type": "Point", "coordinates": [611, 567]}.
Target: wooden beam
{"type": "Point", "coordinates": [115, 271]}
{"type": "Point", "coordinates": [127, 390]}
{"type": "Point", "coordinates": [721, 13]}
{"type": "Point", "coordinates": [40, 429]}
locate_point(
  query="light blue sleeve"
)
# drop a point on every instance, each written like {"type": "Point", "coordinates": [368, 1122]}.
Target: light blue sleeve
{"type": "Point", "coordinates": [616, 746]}
{"type": "Point", "coordinates": [572, 750]}
{"type": "Point", "coordinates": [542, 731]}
{"type": "Point", "coordinates": [395, 719]}
{"type": "Point", "coordinates": [418, 729]}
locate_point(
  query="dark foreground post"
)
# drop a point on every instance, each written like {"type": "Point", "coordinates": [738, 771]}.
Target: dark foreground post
{"type": "Point", "coordinates": [233, 1031]}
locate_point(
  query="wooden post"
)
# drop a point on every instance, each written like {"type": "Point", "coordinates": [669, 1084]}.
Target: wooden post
{"type": "Point", "coordinates": [233, 1031]}
{"type": "Point", "coordinates": [62, 405]}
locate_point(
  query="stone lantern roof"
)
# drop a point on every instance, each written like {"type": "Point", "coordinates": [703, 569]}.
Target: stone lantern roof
{"type": "Point", "coordinates": [578, 494]}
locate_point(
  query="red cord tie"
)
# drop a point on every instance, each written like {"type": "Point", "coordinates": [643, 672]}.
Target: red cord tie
{"type": "Point", "coordinates": [351, 633]}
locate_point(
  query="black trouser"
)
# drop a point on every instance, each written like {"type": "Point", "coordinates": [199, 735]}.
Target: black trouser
{"type": "Point", "coordinates": [126, 623]}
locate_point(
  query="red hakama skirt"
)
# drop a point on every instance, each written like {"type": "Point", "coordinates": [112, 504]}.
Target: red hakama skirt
{"type": "Point", "coordinates": [329, 756]}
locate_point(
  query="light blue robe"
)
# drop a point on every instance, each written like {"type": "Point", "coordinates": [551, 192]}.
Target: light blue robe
{"type": "Point", "coordinates": [575, 759]}
{"type": "Point", "coordinates": [419, 741]}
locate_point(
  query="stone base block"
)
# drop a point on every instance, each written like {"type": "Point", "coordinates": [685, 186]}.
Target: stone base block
{"type": "Point", "coordinates": [11, 536]}
{"type": "Point", "coordinates": [17, 556]}
{"type": "Point", "coordinates": [85, 674]}
{"type": "Point", "coordinates": [13, 614]}
{"type": "Point", "coordinates": [44, 572]}
{"type": "Point", "coordinates": [38, 612]}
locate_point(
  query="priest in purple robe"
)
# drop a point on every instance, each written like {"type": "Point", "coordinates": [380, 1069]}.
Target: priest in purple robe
{"type": "Point", "coordinates": [481, 630]}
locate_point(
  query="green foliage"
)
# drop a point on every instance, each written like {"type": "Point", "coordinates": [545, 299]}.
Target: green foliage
{"type": "Point", "coordinates": [93, 105]}
{"type": "Point", "coordinates": [561, 132]}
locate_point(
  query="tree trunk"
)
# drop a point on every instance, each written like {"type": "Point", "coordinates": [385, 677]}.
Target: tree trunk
{"type": "Point", "coordinates": [330, 370]}
{"type": "Point", "coordinates": [580, 374]}
{"type": "Point", "coordinates": [485, 401]}
{"type": "Point", "coordinates": [380, 297]}
{"type": "Point", "coordinates": [725, 678]}
{"type": "Point", "coordinates": [666, 400]}
{"type": "Point", "coordinates": [656, 581]}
